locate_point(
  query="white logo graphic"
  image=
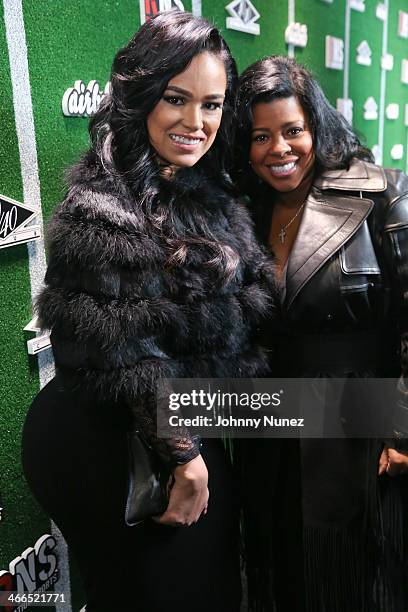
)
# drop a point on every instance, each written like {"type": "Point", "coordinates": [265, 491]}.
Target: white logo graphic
{"type": "Point", "coordinates": [376, 151]}
{"type": "Point", "coordinates": [397, 151]}
{"type": "Point", "coordinates": [36, 568]}
{"type": "Point", "coordinates": [16, 224]}
{"type": "Point", "coordinates": [83, 100]}
{"type": "Point", "coordinates": [364, 54]}
{"type": "Point", "coordinates": [387, 61]}
{"type": "Point", "coordinates": [404, 71]}
{"type": "Point", "coordinates": [345, 107]}
{"type": "Point", "coordinates": [296, 34]}
{"type": "Point", "coordinates": [243, 17]}
{"type": "Point", "coordinates": [381, 11]}
{"type": "Point", "coordinates": [392, 111]}
{"type": "Point", "coordinates": [403, 24]}
{"type": "Point", "coordinates": [358, 5]}
{"type": "Point", "coordinates": [334, 53]}
{"type": "Point", "coordinates": [406, 116]}
{"type": "Point", "coordinates": [370, 109]}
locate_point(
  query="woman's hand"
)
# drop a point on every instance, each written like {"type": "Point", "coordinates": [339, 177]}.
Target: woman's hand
{"type": "Point", "coordinates": [392, 462]}
{"type": "Point", "coordinates": [188, 495]}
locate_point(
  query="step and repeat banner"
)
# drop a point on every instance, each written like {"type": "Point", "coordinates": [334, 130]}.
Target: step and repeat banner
{"type": "Point", "coordinates": [55, 58]}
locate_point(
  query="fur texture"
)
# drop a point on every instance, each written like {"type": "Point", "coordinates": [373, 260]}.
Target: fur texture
{"type": "Point", "coordinates": [136, 292]}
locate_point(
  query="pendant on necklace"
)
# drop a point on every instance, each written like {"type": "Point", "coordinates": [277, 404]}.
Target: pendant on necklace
{"type": "Point", "coordinates": [282, 234]}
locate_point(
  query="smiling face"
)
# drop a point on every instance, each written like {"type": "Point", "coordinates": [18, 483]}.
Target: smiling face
{"type": "Point", "coordinates": [281, 150]}
{"type": "Point", "coordinates": [184, 123]}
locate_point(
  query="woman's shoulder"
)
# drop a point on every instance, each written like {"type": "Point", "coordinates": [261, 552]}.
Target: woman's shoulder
{"type": "Point", "coordinates": [97, 223]}
{"type": "Point", "coordinates": [96, 196]}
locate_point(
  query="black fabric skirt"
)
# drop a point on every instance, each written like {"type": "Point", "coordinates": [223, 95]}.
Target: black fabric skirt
{"type": "Point", "coordinates": [75, 461]}
{"type": "Point", "coordinates": [323, 532]}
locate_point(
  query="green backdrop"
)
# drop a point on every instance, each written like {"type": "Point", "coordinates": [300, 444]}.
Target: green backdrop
{"type": "Point", "coordinates": [76, 39]}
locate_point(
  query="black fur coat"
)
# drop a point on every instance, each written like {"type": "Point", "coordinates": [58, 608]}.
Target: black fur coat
{"type": "Point", "coordinates": [137, 292]}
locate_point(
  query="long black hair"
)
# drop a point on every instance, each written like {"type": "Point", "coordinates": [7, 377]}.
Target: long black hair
{"type": "Point", "coordinates": [162, 48]}
{"type": "Point", "coordinates": [334, 141]}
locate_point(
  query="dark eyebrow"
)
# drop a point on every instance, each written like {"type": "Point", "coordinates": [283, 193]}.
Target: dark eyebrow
{"type": "Point", "coordinates": [184, 92]}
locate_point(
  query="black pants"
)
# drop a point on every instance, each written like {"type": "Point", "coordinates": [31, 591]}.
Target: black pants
{"type": "Point", "coordinates": [75, 460]}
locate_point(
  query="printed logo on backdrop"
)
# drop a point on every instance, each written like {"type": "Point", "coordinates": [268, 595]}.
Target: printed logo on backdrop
{"type": "Point", "coordinates": [83, 100]}
{"type": "Point", "coordinates": [358, 5]}
{"type": "Point", "coordinates": [243, 17]}
{"type": "Point", "coordinates": [370, 109]}
{"type": "Point", "coordinates": [404, 71]}
{"type": "Point", "coordinates": [14, 220]}
{"type": "Point", "coordinates": [364, 54]}
{"type": "Point", "coordinates": [403, 24]}
{"type": "Point", "coordinates": [34, 571]}
{"type": "Point", "coordinates": [150, 8]}
{"type": "Point", "coordinates": [387, 61]}
{"type": "Point", "coordinates": [334, 55]}
{"type": "Point", "coordinates": [296, 34]}
{"type": "Point", "coordinates": [397, 151]}
{"type": "Point", "coordinates": [345, 107]}
{"type": "Point", "coordinates": [381, 11]}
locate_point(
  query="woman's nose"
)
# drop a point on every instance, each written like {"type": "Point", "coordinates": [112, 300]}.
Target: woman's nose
{"type": "Point", "coordinates": [279, 147]}
{"type": "Point", "coordinates": [192, 117]}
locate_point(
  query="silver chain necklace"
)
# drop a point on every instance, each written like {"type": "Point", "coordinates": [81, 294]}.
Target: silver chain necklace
{"type": "Point", "coordinates": [282, 233]}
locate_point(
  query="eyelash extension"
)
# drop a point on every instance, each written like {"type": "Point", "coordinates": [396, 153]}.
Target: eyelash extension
{"type": "Point", "coordinates": [259, 137]}
{"type": "Point", "coordinates": [178, 98]}
{"type": "Point", "coordinates": [217, 105]}
{"type": "Point", "coordinates": [297, 130]}
{"type": "Point", "coordinates": [292, 132]}
{"type": "Point", "coordinates": [179, 101]}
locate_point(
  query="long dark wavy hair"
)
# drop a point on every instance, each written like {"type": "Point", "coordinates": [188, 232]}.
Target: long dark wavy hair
{"type": "Point", "coordinates": [334, 141]}
{"type": "Point", "coordinates": [162, 48]}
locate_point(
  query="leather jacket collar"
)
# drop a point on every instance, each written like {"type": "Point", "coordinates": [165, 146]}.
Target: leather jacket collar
{"type": "Point", "coordinates": [360, 176]}
{"type": "Point", "coordinates": [330, 219]}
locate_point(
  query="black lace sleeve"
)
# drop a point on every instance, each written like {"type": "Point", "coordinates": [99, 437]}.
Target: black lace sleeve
{"type": "Point", "coordinates": [178, 449]}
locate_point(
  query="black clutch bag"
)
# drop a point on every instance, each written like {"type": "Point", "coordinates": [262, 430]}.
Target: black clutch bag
{"type": "Point", "coordinates": [148, 481]}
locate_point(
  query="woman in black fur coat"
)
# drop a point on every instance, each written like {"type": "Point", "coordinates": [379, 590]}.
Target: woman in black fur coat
{"type": "Point", "coordinates": [153, 272]}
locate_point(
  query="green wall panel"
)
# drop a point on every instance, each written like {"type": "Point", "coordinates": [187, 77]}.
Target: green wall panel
{"type": "Point", "coordinates": [395, 132]}
{"type": "Point", "coordinates": [76, 40]}
{"type": "Point", "coordinates": [364, 81]}
{"type": "Point", "coordinates": [18, 374]}
{"type": "Point", "coordinates": [321, 19]}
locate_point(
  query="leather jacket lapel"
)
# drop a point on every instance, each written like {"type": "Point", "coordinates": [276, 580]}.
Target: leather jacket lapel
{"type": "Point", "coordinates": [327, 223]}
{"type": "Point", "coordinates": [360, 176]}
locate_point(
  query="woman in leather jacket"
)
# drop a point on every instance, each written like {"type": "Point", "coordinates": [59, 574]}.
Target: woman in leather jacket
{"type": "Point", "coordinates": [327, 529]}
{"type": "Point", "coordinates": [153, 272]}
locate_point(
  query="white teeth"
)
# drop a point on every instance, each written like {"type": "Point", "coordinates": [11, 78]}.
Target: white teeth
{"type": "Point", "coordinates": [184, 140]}
{"type": "Point", "coordinates": [284, 168]}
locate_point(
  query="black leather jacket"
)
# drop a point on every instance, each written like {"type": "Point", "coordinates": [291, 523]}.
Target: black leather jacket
{"type": "Point", "coordinates": [348, 270]}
